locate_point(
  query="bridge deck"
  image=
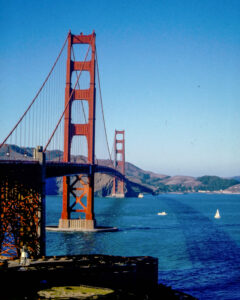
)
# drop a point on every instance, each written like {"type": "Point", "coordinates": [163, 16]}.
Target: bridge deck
{"type": "Point", "coordinates": [53, 169]}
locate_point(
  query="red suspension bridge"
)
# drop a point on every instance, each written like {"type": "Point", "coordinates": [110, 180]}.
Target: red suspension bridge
{"type": "Point", "coordinates": [66, 118]}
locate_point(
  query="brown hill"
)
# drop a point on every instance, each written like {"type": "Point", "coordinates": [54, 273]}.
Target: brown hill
{"type": "Point", "coordinates": [187, 181]}
{"type": "Point", "coordinates": [235, 189]}
{"type": "Point", "coordinates": [137, 180]}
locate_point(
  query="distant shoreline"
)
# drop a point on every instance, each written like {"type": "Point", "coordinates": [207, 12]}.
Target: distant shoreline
{"type": "Point", "coordinates": [203, 192]}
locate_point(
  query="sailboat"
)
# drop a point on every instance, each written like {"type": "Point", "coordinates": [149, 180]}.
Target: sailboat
{"type": "Point", "coordinates": [217, 215]}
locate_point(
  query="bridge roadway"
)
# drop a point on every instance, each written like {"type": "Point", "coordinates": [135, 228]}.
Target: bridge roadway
{"type": "Point", "coordinates": [54, 169]}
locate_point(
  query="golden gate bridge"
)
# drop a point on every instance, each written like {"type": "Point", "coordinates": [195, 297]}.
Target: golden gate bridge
{"type": "Point", "coordinates": [62, 119]}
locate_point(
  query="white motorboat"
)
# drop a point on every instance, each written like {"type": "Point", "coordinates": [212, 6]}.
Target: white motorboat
{"type": "Point", "coordinates": [163, 213]}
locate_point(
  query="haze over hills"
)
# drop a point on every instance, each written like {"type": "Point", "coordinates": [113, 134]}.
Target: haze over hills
{"type": "Point", "coordinates": [138, 180]}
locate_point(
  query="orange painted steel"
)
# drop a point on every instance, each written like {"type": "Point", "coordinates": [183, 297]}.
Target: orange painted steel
{"type": "Point", "coordinates": [87, 130]}
{"type": "Point", "coordinates": [20, 217]}
{"type": "Point", "coordinates": [119, 164]}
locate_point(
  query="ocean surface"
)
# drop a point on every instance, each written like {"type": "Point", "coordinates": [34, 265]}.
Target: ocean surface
{"type": "Point", "coordinates": [197, 253]}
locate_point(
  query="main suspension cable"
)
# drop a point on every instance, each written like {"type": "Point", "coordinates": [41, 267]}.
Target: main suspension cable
{"type": "Point", "coordinates": [66, 106]}
{"type": "Point", "coordinates": [39, 91]}
{"type": "Point", "coordinates": [100, 94]}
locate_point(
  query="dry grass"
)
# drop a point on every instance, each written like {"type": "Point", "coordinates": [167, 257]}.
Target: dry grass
{"type": "Point", "coordinates": [79, 292]}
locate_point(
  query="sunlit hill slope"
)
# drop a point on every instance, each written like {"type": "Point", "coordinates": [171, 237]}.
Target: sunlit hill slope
{"type": "Point", "coordinates": [138, 180]}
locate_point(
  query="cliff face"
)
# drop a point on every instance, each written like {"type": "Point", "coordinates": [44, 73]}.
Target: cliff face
{"type": "Point", "coordinates": [137, 180]}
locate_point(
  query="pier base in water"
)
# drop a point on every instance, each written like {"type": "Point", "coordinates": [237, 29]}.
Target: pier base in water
{"type": "Point", "coordinates": [82, 224]}
{"type": "Point", "coordinates": [117, 196]}
{"type": "Point", "coordinates": [71, 225]}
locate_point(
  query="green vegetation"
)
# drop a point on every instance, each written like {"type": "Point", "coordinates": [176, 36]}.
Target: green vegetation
{"type": "Point", "coordinates": [215, 183]}
{"type": "Point", "coordinates": [162, 188]}
{"type": "Point", "coordinates": [207, 183]}
{"type": "Point", "coordinates": [145, 177]}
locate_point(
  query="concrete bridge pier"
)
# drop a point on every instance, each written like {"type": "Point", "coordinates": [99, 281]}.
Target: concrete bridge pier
{"type": "Point", "coordinates": [41, 157]}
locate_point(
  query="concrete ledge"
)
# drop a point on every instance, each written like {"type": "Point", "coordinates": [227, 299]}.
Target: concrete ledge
{"type": "Point", "coordinates": [78, 229]}
{"type": "Point", "coordinates": [130, 277]}
{"type": "Point", "coordinates": [95, 270]}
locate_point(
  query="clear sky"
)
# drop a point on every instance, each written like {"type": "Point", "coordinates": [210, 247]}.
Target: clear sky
{"type": "Point", "coordinates": [170, 74]}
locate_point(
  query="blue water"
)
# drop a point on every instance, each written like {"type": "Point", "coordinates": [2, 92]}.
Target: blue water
{"type": "Point", "coordinates": [197, 254]}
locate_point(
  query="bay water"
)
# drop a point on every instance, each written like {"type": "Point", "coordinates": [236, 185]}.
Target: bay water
{"type": "Point", "coordinates": [197, 253]}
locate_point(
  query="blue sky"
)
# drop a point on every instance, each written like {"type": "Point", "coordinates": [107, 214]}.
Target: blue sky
{"type": "Point", "coordinates": [170, 74]}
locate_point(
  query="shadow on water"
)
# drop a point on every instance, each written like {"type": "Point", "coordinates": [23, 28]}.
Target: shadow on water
{"type": "Point", "coordinates": [111, 205]}
{"type": "Point", "coordinates": [83, 242]}
{"type": "Point", "coordinates": [135, 228]}
{"type": "Point", "coordinates": [195, 254]}
{"type": "Point", "coordinates": [213, 254]}
{"type": "Point", "coordinates": [72, 243]}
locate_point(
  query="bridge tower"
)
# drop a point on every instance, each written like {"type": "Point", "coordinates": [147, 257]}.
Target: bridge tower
{"type": "Point", "coordinates": [79, 187]}
{"type": "Point", "coordinates": [119, 163]}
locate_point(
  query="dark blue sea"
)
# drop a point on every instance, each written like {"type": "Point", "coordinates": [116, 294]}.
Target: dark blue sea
{"type": "Point", "coordinates": [197, 253]}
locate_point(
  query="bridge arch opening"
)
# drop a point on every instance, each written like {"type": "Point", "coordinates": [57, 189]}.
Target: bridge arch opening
{"type": "Point", "coordinates": [119, 156]}
{"type": "Point", "coordinates": [79, 149]}
{"type": "Point", "coordinates": [80, 112]}
{"type": "Point", "coordinates": [119, 146]}
{"type": "Point", "coordinates": [83, 80]}
{"type": "Point", "coordinates": [79, 52]}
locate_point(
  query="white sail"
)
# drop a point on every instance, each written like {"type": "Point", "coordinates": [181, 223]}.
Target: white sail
{"type": "Point", "coordinates": [217, 215]}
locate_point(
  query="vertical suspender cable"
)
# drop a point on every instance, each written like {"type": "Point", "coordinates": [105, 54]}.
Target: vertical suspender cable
{"type": "Point", "coordinates": [66, 106]}
{"type": "Point", "coordinates": [100, 94]}
{"type": "Point", "coordinates": [39, 91]}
